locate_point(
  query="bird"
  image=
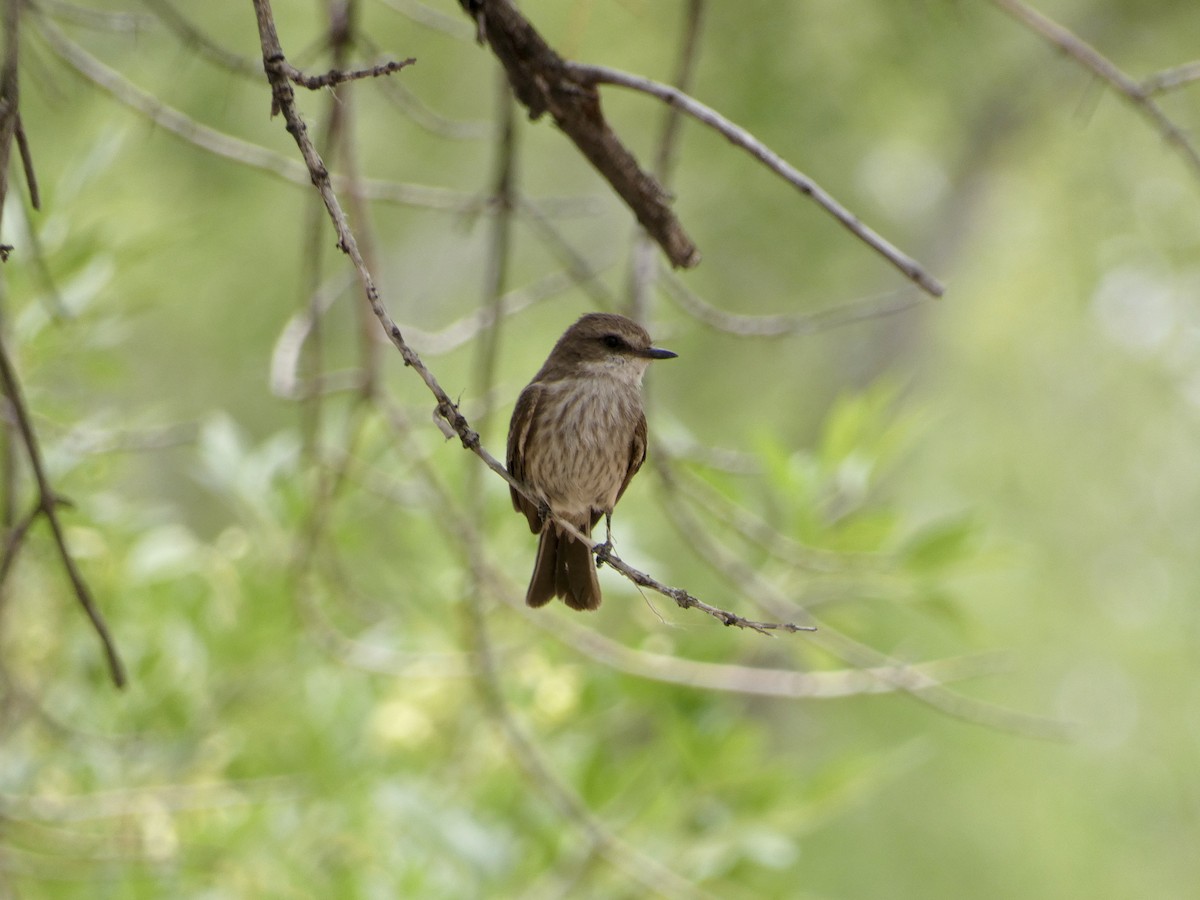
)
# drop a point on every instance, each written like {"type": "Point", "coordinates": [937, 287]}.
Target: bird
{"type": "Point", "coordinates": [576, 439]}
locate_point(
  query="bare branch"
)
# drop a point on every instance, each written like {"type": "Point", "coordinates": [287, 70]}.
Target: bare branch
{"type": "Point", "coordinates": [421, 114]}
{"type": "Point", "coordinates": [14, 540]}
{"type": "Point", "coordinates": [205, 46]}
{"type": "Point", "coordinates": [230, 147]}
{"type": "Point", "coordinates": [642, 264]}
{"type": "Point", "coordinates": [583, 273]}
{"type": "Point", "coordinates": [499, 245]}
{"type": "Point", "coordinates": [545, 83]}
{"type": "Point", "coordinates": [335, 77]}
{"type": "Point", "coordinates": [682, 598]}
{"type": "Point", "coordinates": [432, 18]}
{"type": "Point", "coordinates": [738, 136]}
{"type": "Point", "coordinates": [469, 327]}
{"type": "Point", "coordinates": [786, 324]}
{"type": "Point", "coordinates": [763, 682]}
{"type": "Point", "coordinates": [1099, 65]}
{"type": "Point", "coordinates": [95, 19]}
{"type": "Point", "coordinates": [10, 108]}
{"type": "Point", "coordinates": [35, 199]}
{"type": "Point", "coordinates": [47, 504]}
{"type": "Point", "coordinates": [1168, 80]}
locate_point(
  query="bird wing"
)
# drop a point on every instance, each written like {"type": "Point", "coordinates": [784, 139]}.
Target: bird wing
{"type": "Point", "coordinates": [520, 433]}
{"type": "Point", "coordinates": [637, 453]}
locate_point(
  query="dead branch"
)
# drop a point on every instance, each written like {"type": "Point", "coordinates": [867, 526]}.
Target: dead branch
{"type": "Point", "coordinates": [335, 76]}
{"type": "Point", "coordinates": [738, 136]}
{"type": "Point", "coordinates": [545, 83]}
{"type": "Point", "coordinates": [47, 505]}
{"type": "Point", "coordinates": [1102, 67]}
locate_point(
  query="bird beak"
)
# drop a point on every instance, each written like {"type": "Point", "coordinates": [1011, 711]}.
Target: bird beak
{"type": "Point", "coordinates": [658, 353]}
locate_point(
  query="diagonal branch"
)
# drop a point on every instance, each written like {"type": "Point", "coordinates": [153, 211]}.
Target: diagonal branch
{"type": "Point", "coordinates": [787, 324]}
{"type": "Point", "coordinates": [9, 100]}
{"type": "Point", "coordinates": [227, 146]}
{"type": "Point", "coordinates": [643, 266]}
{"type": "Point", "coordinates": [1102, 67]}
{"type": "Point", "coordinates": [35, 199]}
{"type": "Point", "coordinates": [545, 83]}
{"type": "Point", "coordinates": [47, 505]}
{"type": "Point", "coordinates": [739, 137]}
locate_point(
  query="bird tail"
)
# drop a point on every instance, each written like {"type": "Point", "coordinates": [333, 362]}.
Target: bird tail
{"type": "Point", "coordinates": [564, 568]}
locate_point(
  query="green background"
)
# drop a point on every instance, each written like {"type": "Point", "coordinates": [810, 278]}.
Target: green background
{"type": "Point", "coordinates": [334, 691]}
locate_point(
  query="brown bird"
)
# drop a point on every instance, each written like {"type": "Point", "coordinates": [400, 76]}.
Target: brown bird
{"type": "Point", "coordinates": [577, 437]}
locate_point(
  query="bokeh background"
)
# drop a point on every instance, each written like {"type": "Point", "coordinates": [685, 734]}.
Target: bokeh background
{"type": "Point", "coordinates": [334, 690]}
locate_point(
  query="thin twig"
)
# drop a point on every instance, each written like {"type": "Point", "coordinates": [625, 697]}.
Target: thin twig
{"type": "Point", "coordinates": [682, 598]}
{"type": "Point", "coordinates": [47, 503]}
{"type": "Point", "coordinates": [284, 100]}
{"type": "Point", "coordinates": [432, 18]}
{"type": "Point", "coordinates": [421, 114]}
{"type": "Point", "coordinates": [232, 148]}
{"type": "Point", "coordinates": [463, 331]}
{"type": "Point", "coordinates": [583, 273]}
{"type": "Point", "coordinates": [51, 297]}
{"type": "Point", "coordinates": [335, 76]}
{"type": "Point", "coordinates": [47, 500]}
{"type": "Point", "coordinates": [786, 324]}
{"type": "Point", "coordinates": [1172, 78]}
{"type": "Point", "coordinates": [763, 682]}
{"type": "Point", "coordinates": [10, 103]}
{"type": "Point", "coordinates": [97, 20]}
{"type": "Point", "coordinates": [1102, 67]}
{"type": "Point", "coordinates": [740, 137]}
{"type": "Point", "coordinates": [35, 199]}
{"type": "Point", "coordinates": [342, 107]}
{"type": "Point", "coordinates": [642, 264]}
{"type": "Point", "coordinates": [14, 540]}
{"type": "Point", "coordinates": [499, 249]}
{"type": "Point", "coordinates": [193, 38]}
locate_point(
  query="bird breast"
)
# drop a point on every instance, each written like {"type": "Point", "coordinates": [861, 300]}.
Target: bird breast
{"type": "Point", "coordinates": [581, 449]}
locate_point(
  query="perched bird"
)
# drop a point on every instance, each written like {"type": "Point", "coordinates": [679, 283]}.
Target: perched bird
{"type": "Point", "coordinates": [577, 437]}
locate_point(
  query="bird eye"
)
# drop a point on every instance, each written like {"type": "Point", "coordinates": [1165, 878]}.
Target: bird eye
{"type": "Point", "coordinates": [612, 342]}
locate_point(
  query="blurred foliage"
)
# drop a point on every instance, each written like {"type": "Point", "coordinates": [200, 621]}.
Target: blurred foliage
{"type": "Point", "coordinates": [334, 689]}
